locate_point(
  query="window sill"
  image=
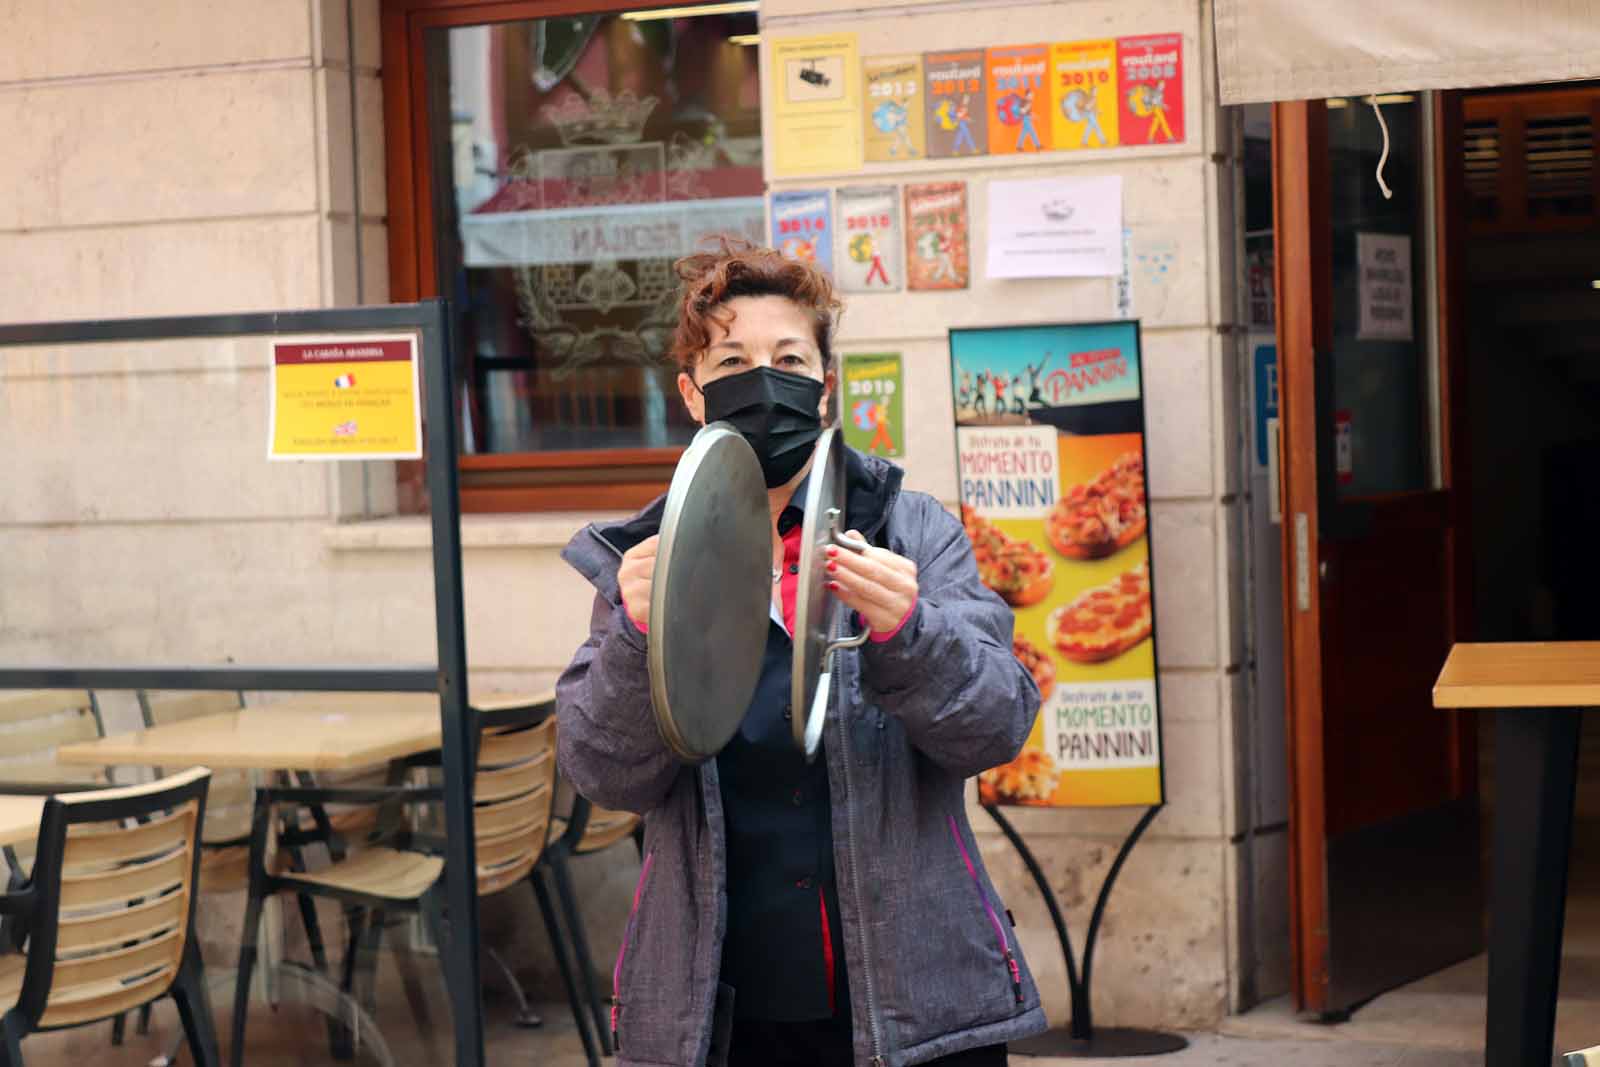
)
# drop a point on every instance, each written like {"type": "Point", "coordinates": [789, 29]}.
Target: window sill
{"type": "Point", "coordinates": [411, 533]}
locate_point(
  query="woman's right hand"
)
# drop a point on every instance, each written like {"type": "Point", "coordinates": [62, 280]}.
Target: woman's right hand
{"type": "Point", "coordinates": [633, 578]}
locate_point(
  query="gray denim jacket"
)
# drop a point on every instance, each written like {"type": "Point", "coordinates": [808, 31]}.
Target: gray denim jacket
{"type": "Point", "coordinates": [934, 965]}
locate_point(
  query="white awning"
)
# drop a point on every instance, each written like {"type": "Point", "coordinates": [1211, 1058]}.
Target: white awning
{"type": "Point", "coordinates": [623, 231]}
{"type": "Point", "coordinates": [1269, 50]}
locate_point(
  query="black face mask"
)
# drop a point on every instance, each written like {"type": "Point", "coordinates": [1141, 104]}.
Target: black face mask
{"type": "Point", "coordinates": [775, 411]}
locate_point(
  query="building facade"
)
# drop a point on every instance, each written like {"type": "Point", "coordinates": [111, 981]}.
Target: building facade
{"type": "Point", "coordinates": [257, 157]}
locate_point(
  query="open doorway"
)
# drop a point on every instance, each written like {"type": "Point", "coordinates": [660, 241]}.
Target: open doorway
{"type": "Point", "coordinates": [1516, 200]}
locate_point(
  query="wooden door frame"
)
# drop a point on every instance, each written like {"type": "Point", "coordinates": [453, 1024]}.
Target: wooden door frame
{"type": "Point", "coordinates": [1300, 195]}
{"type": "Point", "coordinates": [1302, 268]}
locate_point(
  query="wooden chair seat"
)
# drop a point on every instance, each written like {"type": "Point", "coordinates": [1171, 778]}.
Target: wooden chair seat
{"type": "Point", "coordinates": [605, 829]}
{"type": "Point", "coordinates": [389, 873]}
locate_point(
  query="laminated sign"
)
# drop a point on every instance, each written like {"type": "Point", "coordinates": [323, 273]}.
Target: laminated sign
{"type": "Point", "coordinates": [956, 100]}
{"type": "Point", "coordinates": [802, 227]}
{"type": "Point", "coordinates": [873, 408]}
{"type": "Point", "coordinates": [1085, 75]}
{"type": "Point", "coordinates": [345, 398]}
{"type": "Point", "coordinates": [869, 239]}
{"type": "Point", "coordinates": [1050, 450]}
{"type": "Point", "coordinates": [893, 99]}
{"type": "Point", "coordinates": [1150, 85]}
{"type": "Point", "coordinates": [937, 256]}
{"type": "Point", "coordinates": [1019, 99]}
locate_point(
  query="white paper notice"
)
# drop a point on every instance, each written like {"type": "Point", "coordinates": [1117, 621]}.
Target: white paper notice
{"type": "Point", "coordinates": [1385, 264]}
{"type": "Point", "coordinates": [1055, 228]}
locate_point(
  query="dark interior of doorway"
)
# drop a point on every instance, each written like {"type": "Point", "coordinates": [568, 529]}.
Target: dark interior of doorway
{"type": "Point", "coordinates": [1532, 330]}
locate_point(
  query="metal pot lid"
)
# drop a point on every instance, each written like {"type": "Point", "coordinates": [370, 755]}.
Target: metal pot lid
{"type": "Point", "coordinates": [710, 594]}
{"type": "Point", "coordinates": [818, 615]}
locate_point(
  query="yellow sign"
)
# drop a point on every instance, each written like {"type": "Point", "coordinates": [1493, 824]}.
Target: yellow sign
{"type": "Point", "coordinates": [816, 105]}
{"type": "Point", "coordinates": [1085, 80]}
{"type": "Point", "coordinates": [895, 112]}
{"type": "Point", "coordinates": [345, 398]}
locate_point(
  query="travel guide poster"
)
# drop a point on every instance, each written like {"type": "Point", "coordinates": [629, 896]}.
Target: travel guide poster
{"type": "Point", "coordinates": [1019, 99]}
{"type": "Point", "coordinates": [957, 104]}
{"type": "Point", "coordinates": [1050, 442]}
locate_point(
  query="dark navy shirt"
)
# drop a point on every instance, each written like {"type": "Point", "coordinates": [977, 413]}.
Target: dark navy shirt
{"type": "Point", "coordinates": [782, 955]}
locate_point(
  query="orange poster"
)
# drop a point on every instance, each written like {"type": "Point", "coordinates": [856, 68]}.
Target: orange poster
{"type": "Point", "coordinates": [1019, 98]}
{"type": "Point", "coordinates": [1084, 78]}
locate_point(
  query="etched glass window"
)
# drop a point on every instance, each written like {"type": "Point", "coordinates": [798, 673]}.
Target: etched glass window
{"type": "Point", "coordinates": [586, 154]}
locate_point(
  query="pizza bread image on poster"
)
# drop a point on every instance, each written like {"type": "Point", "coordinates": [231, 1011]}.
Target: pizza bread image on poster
{"type": "Point", "coordinates": [957, 117]}
{"type": "Point", "coordinates": [937, 253]}
{"type": "Point", "coordinates": [868, 225]}
{"type": "Point", "coordinates": [1050, 441]}
{"type": "Point", "coordinates": [1019, 98]}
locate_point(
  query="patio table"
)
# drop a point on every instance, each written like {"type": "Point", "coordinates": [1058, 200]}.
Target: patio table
{"type": "Point", "coordinates": [1539, 692]}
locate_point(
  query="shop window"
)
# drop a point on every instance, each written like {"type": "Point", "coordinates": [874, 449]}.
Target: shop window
{"type": "Point", "coordinates": [561, 161]}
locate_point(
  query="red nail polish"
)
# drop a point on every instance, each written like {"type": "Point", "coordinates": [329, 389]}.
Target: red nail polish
{"type": "Point", "coordinates": [833, 585]}
{"type": "Point", "coordinates": [832, 567]}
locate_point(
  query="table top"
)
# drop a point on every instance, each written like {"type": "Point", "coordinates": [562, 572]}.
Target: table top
{"type": "Point", "coordinates": [309, 732]}
{"type": "Point", "coordinates": [1544, 674]}
{"type": "Point", "coordinates": [19, 819]}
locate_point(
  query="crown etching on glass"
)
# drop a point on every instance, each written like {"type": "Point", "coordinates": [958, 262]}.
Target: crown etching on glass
{"type": "Point", "coordinates": [601, 119]}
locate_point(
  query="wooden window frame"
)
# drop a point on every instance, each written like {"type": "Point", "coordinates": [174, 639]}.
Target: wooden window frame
{"type": "Point", "coordinates": [1511, 112]}
{"type": "Point", "coordinates": [622, 478]}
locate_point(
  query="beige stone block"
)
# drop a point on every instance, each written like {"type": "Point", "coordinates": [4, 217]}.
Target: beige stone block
{"type": "Point", "coordinates": [138, 447]}
{"type": "Point", "coordinates": [334, 18]}
{"type": "Point", "coordinates": [1162, 957]}
{"type": "Point", "coordinates": [336, 178]}
{"type": "Point", "coordinates": [929, 447]}
{"type": "Point", "coordinates": [1189, 696]}
{"type": "Point", "coordinates": [1183, 537]}
{"type": "Point", "coordinates": [1234, 605]}
{"type": "Point", "coordinates": [1168, 273]}
{"type": "Point", "coordinates": [81, 38]}
{"type": "Point", "coordinates": [172, 147]}
{"type": "Point", "coordinates": [169, 269]}
{"type": "Point", "coordinates": [339, 251]}
{"type": "Point", "coordinates": [526, 610]}
{"type": "Point", "coordinates": [1270, 871]}
{"type": "Point", "coordinates": [374, 287]}
{"type": "Point", "coordinates": [1230, 393]}
{"type": "Point", "coordinates": [373, 164]}
{"type": "Point", "coordinates": [1178, 426]}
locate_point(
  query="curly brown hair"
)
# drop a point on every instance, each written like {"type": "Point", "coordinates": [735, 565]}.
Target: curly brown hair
{"type": "Point", "coordinates": [737, 268]}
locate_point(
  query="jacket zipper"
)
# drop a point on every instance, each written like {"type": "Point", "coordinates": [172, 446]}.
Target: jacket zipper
{"type": "Point", "coordinates": [994, 920]}
{"type": "Point", "coordinates": [622, 952]}
{"type": "Point", "coordinates": [855, 875]}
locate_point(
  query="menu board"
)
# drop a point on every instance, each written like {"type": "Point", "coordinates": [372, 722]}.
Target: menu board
{"type": "Point", "coordinates": [1051, 461]}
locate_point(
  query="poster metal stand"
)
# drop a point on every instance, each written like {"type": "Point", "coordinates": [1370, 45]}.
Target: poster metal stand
{"type": "Point", "coordinates": [1080, 1039]}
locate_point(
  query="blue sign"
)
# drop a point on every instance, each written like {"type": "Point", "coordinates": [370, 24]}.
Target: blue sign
{"type": "Point", "coordinates": [1266, 363]}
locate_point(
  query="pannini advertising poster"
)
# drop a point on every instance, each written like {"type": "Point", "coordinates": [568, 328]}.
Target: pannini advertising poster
{"type": "Point", "coordinates": [895, 114]}
{"type": "Point", "coordinates": [1050, 439]}
{"type": "Point", "coordinates": [345, 397]}
{"type": "Point", "coordinates": [957, 104]}
{"type": "Point", "coordinates": [1019, 99]}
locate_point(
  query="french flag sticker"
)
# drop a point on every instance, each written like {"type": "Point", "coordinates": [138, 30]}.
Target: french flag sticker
{"type": "Point", "coordinates": [344, 381]}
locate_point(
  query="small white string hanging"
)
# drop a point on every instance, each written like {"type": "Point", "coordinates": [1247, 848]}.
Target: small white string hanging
{"type": "Point", "coordinates": [1383, 160]}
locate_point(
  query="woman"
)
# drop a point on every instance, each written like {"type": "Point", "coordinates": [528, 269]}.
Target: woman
{"type": "Point", "coordinates": [831, 913]}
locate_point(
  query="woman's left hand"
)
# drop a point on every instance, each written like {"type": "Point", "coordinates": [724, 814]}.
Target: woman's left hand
{"type": "Point", "coordinates": [877, 584]}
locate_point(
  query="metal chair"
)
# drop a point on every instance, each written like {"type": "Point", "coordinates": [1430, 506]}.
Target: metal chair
{"type": "Point", "coordinates": [400, 872]}
{"type": "Point", "coordinates": [587, 830]}
{"type": "Point", "coordinates": [106, 923]}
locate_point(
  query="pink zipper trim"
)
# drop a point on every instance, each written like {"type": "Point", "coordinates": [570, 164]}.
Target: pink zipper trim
{"type": "Point", "coordinates": [994, 920]}
{"type": "Point", "coordinates": [622, 952]}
